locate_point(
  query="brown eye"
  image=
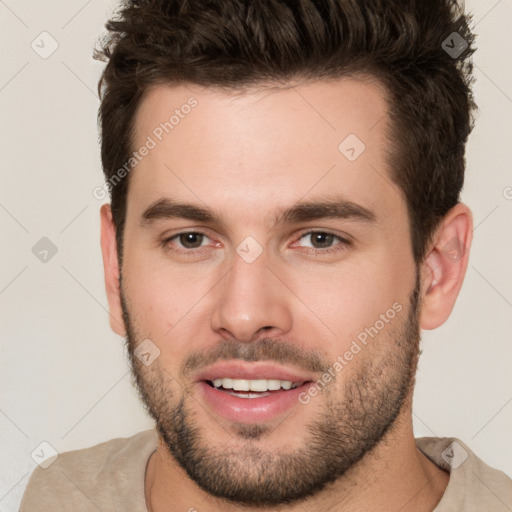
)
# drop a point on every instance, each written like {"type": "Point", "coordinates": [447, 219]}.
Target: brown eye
{"type": "Point", "coordinates": [191, 240]}
{"type": "Point", "coordinates": [322, 240]}
{"type": "Point", "coordinates": [185, 242]}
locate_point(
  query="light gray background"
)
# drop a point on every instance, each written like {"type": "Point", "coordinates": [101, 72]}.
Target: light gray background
{"type": "Point", "coordinates": [64, 374]}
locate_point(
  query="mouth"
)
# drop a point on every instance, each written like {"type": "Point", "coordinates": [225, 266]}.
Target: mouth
{"type": "Point", "coordinates": [251, 392]}
{"type": "Point", "coordinates": [253, 388]}
{"type": "Point", "coordinates": [252, 401]}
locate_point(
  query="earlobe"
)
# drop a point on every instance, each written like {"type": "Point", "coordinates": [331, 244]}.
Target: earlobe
{"type": "Point", "coordinates": [445, 266]}
{"type": "Point", "coordinates": [111, 269]}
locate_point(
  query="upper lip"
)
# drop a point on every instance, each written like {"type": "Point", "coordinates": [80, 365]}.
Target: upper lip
{"type": "Point", "coordinates": [252, 371]}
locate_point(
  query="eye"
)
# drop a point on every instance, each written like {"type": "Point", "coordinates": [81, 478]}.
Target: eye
{"type": "Point", "coordinates": [188, 240]}
{"type": "Point", "coordinates": [323, 241]}
{"type": "Point", "coordinates": [319, 241]}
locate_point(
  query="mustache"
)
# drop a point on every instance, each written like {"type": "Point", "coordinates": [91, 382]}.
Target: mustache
{"type": "Point", "coordinates": [264, 349]}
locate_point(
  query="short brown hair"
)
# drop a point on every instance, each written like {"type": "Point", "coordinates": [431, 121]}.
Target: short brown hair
{"type": "Point", "coordinates": [236, 44]}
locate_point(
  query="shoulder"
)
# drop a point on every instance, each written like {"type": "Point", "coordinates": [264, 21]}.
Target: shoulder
{"type": "Point", "coordinates": [473, 485]}
{"type": "Point", "coordinates": [93, 477]}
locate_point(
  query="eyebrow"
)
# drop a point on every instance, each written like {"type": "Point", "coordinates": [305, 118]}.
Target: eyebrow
{"type": "Point", "coordinates": [329, 208]}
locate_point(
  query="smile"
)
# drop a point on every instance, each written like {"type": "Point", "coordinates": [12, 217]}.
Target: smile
{"type": "Point", "coordinates": [254, 388]}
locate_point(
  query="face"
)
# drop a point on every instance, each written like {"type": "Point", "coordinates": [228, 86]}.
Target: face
{"type": "Point", "coordinates": [267, 259]}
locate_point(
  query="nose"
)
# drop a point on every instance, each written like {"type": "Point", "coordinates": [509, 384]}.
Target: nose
{"type": "Point", "coordinates": [251, 301]}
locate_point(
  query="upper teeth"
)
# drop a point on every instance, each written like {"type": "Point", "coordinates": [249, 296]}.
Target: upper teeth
{"type": "Point", "coordinates": [254, 385]}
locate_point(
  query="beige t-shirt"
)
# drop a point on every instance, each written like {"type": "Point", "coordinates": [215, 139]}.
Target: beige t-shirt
{"type": "Point", "coordinates": [110, 477]}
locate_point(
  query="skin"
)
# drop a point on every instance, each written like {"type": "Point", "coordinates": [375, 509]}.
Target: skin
{"type": "Point", "coordinates": [248, 156]}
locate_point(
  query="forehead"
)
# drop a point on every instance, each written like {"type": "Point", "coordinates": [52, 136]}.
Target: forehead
{"type": "Point", "coordinates": [263, 148]}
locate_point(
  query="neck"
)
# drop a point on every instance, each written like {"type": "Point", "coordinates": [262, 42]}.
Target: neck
{"type": "Point", "coordinates": [395, 475]}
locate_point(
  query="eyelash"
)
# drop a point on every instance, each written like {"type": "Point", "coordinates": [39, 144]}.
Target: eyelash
{"type": "Point", "coordinates": [344, 243]}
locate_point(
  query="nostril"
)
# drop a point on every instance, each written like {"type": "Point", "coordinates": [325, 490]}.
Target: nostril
{"type": "Point", "coordinates": [266, 328]}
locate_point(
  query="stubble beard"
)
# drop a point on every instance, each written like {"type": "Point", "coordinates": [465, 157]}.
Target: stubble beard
{"type": "Point", "coordinates": [355, 418]}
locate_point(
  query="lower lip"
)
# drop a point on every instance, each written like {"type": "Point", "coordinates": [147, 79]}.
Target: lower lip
{"type": "Point", "coordinates": [250, 410]}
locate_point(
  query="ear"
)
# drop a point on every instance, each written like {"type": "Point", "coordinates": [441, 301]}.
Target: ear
{"type": "Point", "coordinates": [111, 268]}
{"type": "Point", "coordinates": [444, 268]}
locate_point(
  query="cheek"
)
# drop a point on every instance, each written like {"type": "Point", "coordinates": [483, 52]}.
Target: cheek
{"type": "Point", "coordinates": [163, 299]}
{"type": "Point", "coordinates": [343, 302]}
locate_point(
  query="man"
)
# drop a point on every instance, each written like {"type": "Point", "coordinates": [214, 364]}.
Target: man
{"type": "Point", "coordinates": [284, 220]}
